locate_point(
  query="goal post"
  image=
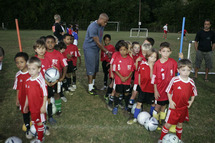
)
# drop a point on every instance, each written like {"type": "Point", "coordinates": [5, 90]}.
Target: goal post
{"type": "Point", "coordinates": [139, 32]}
{"type": "Point", "coordinates": [191, 55]}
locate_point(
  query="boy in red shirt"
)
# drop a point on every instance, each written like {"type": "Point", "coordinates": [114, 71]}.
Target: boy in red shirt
{"type": "Point", "coordinates": [123, 67]}
{"type": "Point", "coordinates": [71, 53]}
{"type": "Point", "coordinates": [22, 75]}
{"type": "Point", "coordinates": [105, 60]}
{"type": "Point", "coordinates": [181, 92]}
{"type": "Point", "coordinates": [36, 97]}
{"type": "Point", "coordinates": [164, 70]}
{"type": "Point", "coordinates": [60, 63]}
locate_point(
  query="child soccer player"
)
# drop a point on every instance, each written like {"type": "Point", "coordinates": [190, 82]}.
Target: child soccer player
{"type": "Point", "coordinates": [105, 60]}
{"type": "Point", "coordinates": [181, 92]}
{"type": "Point", "coordinates": [69, 29]}
{"type": "Point", "coordinates": [22, 75]}
{"type": "Point", "coordinates": [75, 35]}
{"type": "Point", "coordinates": [123, 67]}
{"type": "Point", "coordinates": [164, 70]}
{"type": "Point", "coordinates": [71, 53]}
{"type": "Point", "coordinates": [36, 97]}
{"type": "Point", "coordinates": [146, 93]}
{"type": "Point", "coordinates": [58, 61]}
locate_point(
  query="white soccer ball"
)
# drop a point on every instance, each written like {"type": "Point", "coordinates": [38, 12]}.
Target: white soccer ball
{"type": "Point", "coordinates": [151, 124]}
{"type": "Point", "coordinates": [13, 139]}
{"type": "Point", "coordinates": [141, 118]}
{"type": "Point", "coordinates": [133, 108]}
{"type": "Point", "coordinates": [52, 74]}
{"type": "Point", "coordinates": [170, 138]}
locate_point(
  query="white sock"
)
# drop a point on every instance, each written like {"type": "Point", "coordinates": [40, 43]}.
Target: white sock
{"type": "Point", "coordinates": [90, 86]}
{"type": "Point", "coordinates": [93, 81]}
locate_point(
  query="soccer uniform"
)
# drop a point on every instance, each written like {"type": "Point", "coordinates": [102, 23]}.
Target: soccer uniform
{"type": "Point", "coordinates": [75, 35]}
{"type": "Point", "coordinates": [181, 91]}
{"type": "Point", "coordinates": [147, 88]}
{"type": "Point", "coordinates": [19, 85]}
{"type": "Point", "coordinates": [165, 29]}
{"type": "Point", "coordinates": [45, 64]}
{"type": "Point", "coordinates": [162, 74]}
{"type": "Point", "coordinates": [57, 29]}
{"type": "Point", "coordinates": [124, 66]}
{"type": "Point", "coordinates": [69, 31]}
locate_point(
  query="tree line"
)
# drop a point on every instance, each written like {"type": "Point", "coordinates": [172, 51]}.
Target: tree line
{"type": "Point", "coordinates": [38, 14]}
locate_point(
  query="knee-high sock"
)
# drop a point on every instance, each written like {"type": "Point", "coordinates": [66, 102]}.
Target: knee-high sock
{"type": "Point", "coordinates": [26, 118]}
{"type": "Point", "coordinates": [130, 104]}
{"type": "Point", "coordinates": [58, 104]}
{"type": "Point", "coordinates": [151, 110]}
{"type": "Point", "coordinates": [111, 99]}
{"type": "Point", "coordinates": [49, 110]}
{"type": "Point", "coordinates": [136, 112]}
{"type": "Point", "coordinates": [164, 132]}
{"type": "Point", "coordinates": [179, 132]}
{"type": "Point", "coordinates": [40, 130]}
{"type": "Point", "coordinates": [116, 101]}
{"type": "Point", "coordinates": [74, 80]}
{"type": "Point", "coordinates": [109, 91]}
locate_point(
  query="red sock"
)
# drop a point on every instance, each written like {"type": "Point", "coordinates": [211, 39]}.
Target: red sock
{"type": "Point", "coordinates": [178, 132]}
{"type": "Point", "coordinates": [40, 130]}
{"type": "Point", "coordinates": [164, 132]}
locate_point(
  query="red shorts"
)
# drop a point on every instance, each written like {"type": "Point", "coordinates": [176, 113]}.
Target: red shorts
{"type": "Point", "coordinates": [38, 117]}
{"type": "Point", "coordinates": [165, 31]}
{"type": "Point", "coordinates": [177, 116]}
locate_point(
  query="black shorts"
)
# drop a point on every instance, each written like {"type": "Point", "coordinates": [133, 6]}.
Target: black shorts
{"type": "Point", "coordinates": [52, 90]}
{"type": "Point", "coordinates": [122, 89]}
{"type": "Point", "coordinates": [70, 67]}
{"type": "Point", "coordinates": [145, 97]}
{"type": "Point", "coordinates": [162, 103]}
{"type": "Point", "coordinates": [105, 67]}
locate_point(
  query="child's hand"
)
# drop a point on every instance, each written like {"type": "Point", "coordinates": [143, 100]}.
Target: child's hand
{"type": "Point", "coordinates": [17, 103]}
{"type": "Point", "coordinates": [42, 110]}
{"type": "Point", "coordinates": [107, 64]}
{"type": "Point", "coordinates": [53, 83]}
{"type": "Point", "coordinates": [172, 104]}
{"type": "Point", "coordinates": [157, 95]}
{"type": "Point", "coordinates": [61, 79]}
{"type": "Point", "coordinates": [25, 109]}
{"type": "Point", "coordinates": [139, 59]}
{"type": "Point", "coordinates": [190, 103]}
{"type": "Point", "coordinates": [180, 55]}
{"type": "Point", "coordinates": [123, 79]}
{"type": "Point", "coordinates": [69, 56]}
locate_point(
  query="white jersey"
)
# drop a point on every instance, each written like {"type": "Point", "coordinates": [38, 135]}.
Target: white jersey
{"type": "Point", "coordinates": [165, 28]}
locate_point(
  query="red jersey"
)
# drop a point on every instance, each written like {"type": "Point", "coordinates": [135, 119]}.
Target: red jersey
{"type": "Point", "coordinates": [181, 91]}
{"type": "Point", "coordinates": [45, 64]}
{"type": "Point", "coordinates": [72, 50]}
{"type": "Point", "coordinates": [162, 74]}
{"type": "Point", "coordinates": [124, 66]}
{"type": "Point", "coordinates": [145, 80]}
{"type": "Point", "coordinates": [114, 56]}
{"type": "Point", "coordinates": [104, 56]}
{"type": "Point", "coordinates": [19, 85]}
{"type": "Point", "coordinates": [36, 90]}
{"type": "Point", "coordinates": [57, 59]}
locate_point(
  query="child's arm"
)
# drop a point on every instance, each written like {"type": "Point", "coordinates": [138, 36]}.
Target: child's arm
{"type": "Point", "coordinates": [121, 77]}
{"type": "Point", "coordinates": [136, 63]}
{"type": "Point", "coordinates": [51, 83]}
{"type": "Point", "coordinates": [171, 103]}
{"type": "Point", "coordinates": [79, 61]}
{"type": "Point", "coordinates": [191, 101]}
{"type": "Point", "coordinates": [139, 80]}
{"type": "Point", "coordinates": [157, 95]}
{"type": "Point", "coordinates": [43, 108]}
{"type": "Point", "coordinates": [69, 56]}
{"type": "Point", "coordinates": [17, 99]}
{"type": "Point", "coordinates": [126, 78]}
{"type": "Point", "coordinates": [64, 73]}
{"type": "Point", "coordinates": [111, 68]}
{"type": "Point", "coordinates": [25, 109]}
{"type": "Point", "coordinates": [151, 69]}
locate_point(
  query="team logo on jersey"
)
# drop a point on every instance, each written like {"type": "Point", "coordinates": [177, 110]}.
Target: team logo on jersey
{"type": "Point", "coordinates": [120, 61]}
{"type": "Point", "coordinates": [54, 62]}
{"type": "Point", "coordinates": [129, 67]}
{"type": "Point", "coordinates": [179, 87]}
{"type": "Point", "coordinates": [20, 80]}
{"type": "Point", "coordinates": [162, 69]}
{"type": "Point", "coordinates": [119, 68]}
{"type": "Point", "coordinates": [143, 68]}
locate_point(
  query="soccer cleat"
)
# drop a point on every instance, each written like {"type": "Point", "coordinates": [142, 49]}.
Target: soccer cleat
{"type": "Point", "coordinates": [64, 99]}
{"type": "Point", "coordinates": [71, 88]}
{"type": "Point", "coordinates": [132, 121]}
{"type": "Point", "coordinates": [110, 107]}
{"type": "Point", "coordinates": [35, 141]}
{"type": "Point", "coordinates": [172, 129]}
{"type": "Point", "coordinates": [52, 121]}
{"type": "Point", "coordinates": [103, 88]}
{"type": "Point", "coordinates": [58, 113]}
{"type": "Point", "coordinates": [47, 132]}
{"type": "Point", "coordinates": [93, 92]}
{"type": "Point", "coordinates": [28, 135]}
{"type": "Point", "coordinates": [115, 110]}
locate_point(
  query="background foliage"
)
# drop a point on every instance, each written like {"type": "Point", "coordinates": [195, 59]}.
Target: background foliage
{"type": "Point", "coordinates": [38, 14]}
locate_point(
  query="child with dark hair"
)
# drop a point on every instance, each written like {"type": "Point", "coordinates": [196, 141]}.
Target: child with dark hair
{"type": "Point", "coordinates": [69, 29]}
{"type": "Point", "coordinates": [75, 35]}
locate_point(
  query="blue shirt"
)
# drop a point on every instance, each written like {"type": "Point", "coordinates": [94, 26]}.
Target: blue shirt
{"type": "Point", "coordinates": [93, 30]}
{"type": "Point", "coordinates": [75, 35]}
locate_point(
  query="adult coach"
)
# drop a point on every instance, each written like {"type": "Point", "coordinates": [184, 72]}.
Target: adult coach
{"type": "Point", "coordinates": [92, 45]}
{"type": "Point", "coordinates": [204, 46]}
{"type": "Point", "coordinates": [57, 29]}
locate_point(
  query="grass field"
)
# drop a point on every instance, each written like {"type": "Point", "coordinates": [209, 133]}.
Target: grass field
{"type": "Point", "coordinates": [85, 119]}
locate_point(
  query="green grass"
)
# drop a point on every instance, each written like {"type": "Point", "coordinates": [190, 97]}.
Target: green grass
{"type": "Point", "coordinates": [86, 118]}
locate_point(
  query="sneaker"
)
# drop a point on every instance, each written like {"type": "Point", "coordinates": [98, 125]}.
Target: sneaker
{"type": "Point", "coordinates": [93, 92]}
{"type": "Point", "coordinates": [28, 135]}
{"type": "Point", "coordinates": [52, 121]}
{"type": "Point", "coordinates": [110, 107]}
{"type": "Point", "coordinates": [132, 121]}
{"type": "Point", "coordinates": [71, 88]}
{"type": "Point", "coordinates": [74, 86]}
{"type": "Point", "coordinates": [64, 99]}
{"type": "Point", "coordinates": [58, 113]}
{"type": "Point", "coordinates": [180, 141]}
{"type": "Point", "coordinates": [35, 141]}
{"type": "Point", "coordinates": [103, 88]}
{"type": "Point", "coordinates": [115, 110]}
{"type": "Point", "coordinates": [159, 141]}
{"type": "Point", "coordinates": [47, 132]}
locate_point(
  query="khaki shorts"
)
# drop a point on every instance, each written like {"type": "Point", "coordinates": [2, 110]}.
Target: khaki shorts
{"type": "Point", "coordinates": [207, 56]}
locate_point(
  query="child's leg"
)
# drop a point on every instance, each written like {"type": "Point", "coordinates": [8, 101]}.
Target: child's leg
{"type": "Point", "coordinates": [68, 78]}
{"type": "Point", "coordinates": [109, 89]}
{"type": "Point", "coordinates": [105, 71]}
{"type": "Point", "coordinates": [137, 109]}
{"type": "Point", "coordinates": [165, 130]}
{"type": "Point", "coordinates": [152, 109]}
{"type": "Point", "coordinates": [179, 130]}
{"type": "Point", "coordinates": [131, 101]}
{"type": "Point", "coordinates": [40, 129]}
{"type": "Point", "coordinates": [111, 98]}
{"type": "Point", "coordinates": [162, 114]}
{"type": "Point", "coordinates": [58, 102]}
{"type": "Point", "coordinates": [26, 118]}
{"type": "Point", "coordinates": [74, 78]}
{"type": "Point", "coordinates": [156, 111]}
{"type": "Point", "coordinates": [116, 100]}
{"type": "Point", "coordinates": [127, 97]}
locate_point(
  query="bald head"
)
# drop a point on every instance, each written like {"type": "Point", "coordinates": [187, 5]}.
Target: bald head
{"type": "Point", "coordinates": [103, 16]}
{"type": "Point", "coordinates": [103, 19]}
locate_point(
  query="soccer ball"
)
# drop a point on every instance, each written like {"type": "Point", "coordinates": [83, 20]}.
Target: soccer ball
{"type": "Point", "coordinates": [34, 131]}
{"type": "Point", "coordinates": [151, 124]}
{"type": "Point", "coordinates": [170, 138]}
{"type": "Point", "coordinates": [13, 139]}
{"type": "Point", "coordinates": [133, 108]}
{"type": "Point", "coordinates": [141, 118]}
{"type": "Point", "coordinates": [178, 38]}
{"type": "Point", "coordinates": [24, 127]}
{"type": "Point", "coordinates": [52, 74]}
